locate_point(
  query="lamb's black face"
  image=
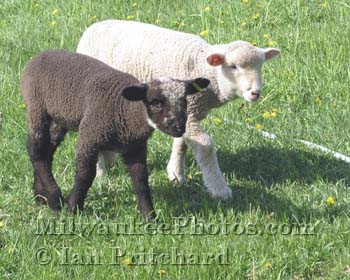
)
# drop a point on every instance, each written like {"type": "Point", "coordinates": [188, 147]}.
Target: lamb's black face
{"type": "Point", "coordinates": [169, 116]}
{"type": "Point", "coordinates": [166, 103]}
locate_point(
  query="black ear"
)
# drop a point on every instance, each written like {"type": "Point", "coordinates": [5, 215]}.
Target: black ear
{"type": "Point", "coordinates": [135, 92]}
{"type": "Point", "coordinates": [197, 85]}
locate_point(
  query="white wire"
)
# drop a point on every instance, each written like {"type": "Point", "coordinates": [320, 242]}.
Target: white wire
{"type": "Point", "coordinates": [306, 143]}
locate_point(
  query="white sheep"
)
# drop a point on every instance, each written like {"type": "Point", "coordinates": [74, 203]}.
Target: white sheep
{"type": "Point", "coordinates": [148, 51]}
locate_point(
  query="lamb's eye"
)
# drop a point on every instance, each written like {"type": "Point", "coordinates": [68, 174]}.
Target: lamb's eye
{"type": "Point", "coordinates": [234, 67]}
{"type": "Point", "coordinates": [157, 103]}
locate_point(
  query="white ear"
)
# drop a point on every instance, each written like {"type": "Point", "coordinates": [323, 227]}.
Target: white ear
{"type": "Point", "coordinates": [271, 53]}
{"type": "Point", "coordinates": [215, 59]}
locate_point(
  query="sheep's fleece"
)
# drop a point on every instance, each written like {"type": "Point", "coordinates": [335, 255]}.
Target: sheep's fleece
{"type": "Point", "coordinates": [148, 51]}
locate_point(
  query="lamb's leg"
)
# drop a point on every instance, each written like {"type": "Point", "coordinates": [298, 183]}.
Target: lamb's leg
{"type": "Point", "coordinates": [41, 150]}
{"type": "Point", "coordinates": [105, 160]}
{"type": "Point", "coordinates": [203, 148]}
{"type": "Point", "coordinates": [135, 160]}
{"type": "Point", "coordinates": [176, 165]}
{"type": "Point", "coordinates": [57, 134]}
{"type": "Point", "coordinates": [85, 173]}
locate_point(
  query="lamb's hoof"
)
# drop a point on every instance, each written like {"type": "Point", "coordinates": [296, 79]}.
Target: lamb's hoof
{"type": "Point", "coordinates": [149, 217]}
{"type": "Point", "coordinates": [224, 193]}
{"type": "Point", "coordinates": [54, 199]}
{"type": "Point", "coordinates": [74, 205]}
{"type": "Point", "coordinates": [40, 199]}
{"type": "Point", "coordinates": [176, 177]}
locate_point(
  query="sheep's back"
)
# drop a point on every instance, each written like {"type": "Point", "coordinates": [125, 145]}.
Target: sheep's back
{"type": "Point", "coordinates": [68, 83]}
{"type": "Point", "coordinates": [143, 50]}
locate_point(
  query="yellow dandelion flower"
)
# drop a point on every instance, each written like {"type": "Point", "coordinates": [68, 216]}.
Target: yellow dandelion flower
{"type": "Point", "coordinates": [266, 36]}
{"type": "Point", "coordinates": [189, 177]}
{"type": "Point", "coordinates": [273, 114]}
{"type": "Point", "coordinates": [254, 43]}
{"type": "Point", "coordinates": [161, 272]}
{"type": "Point", "coordinates": [244, 23]}
{"type": "Point", "coordinates": [10, 250]}
{"type": "Point", "coordinates": [204, 33]}
{"type": "Point", "coordinates": [324, 5]}
{"type": "Point", "coordinates": [36, 6]}
{"type": "Point", "coordinates": [259, 126]}
{"type": "Point", "coordinates": [245, 2]}
{"type": "Point", "coordinates": [55, 12]}
{"type": "Point", "coordinates": [94, 17]}
{"type": "Point", "coordinates": [256, 16]}
{"type": "Point", "coordinates": [22, 106]}
{"type": "Point", "coordinates": [330, 200]}
{"type": "Point", "coordinates": [1, 224]}
{"type": "Point", "coordinates": [53, 24]}
{"type": "Point", "coordinates": [207, 9]}
{"type": "Point", "coordinates": [130, 17]}
{"type": "Point", "coordinates": [258, 5]}
{"type": "Point", "coordinates": [271, 43]}
{"type": "Point", "coordinates": [317, 100]}
{"type": "Point", "coordinates": [266, 115]}
{"type": "Point", "coordinates": [127, 261]}
{"type": "Point", "coordinates": [182, 23]}
{"type": "Point", "coordinates": [268, 265]}
{"type": "Point", "coordinates": [217, 121]}
{"type": "Point", "coordinates": [134, 5]}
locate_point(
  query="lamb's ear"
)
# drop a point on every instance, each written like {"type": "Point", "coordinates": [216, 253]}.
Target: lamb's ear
{"type": "Point", "coordinates": [215, 59]}
{"type": "Point", "coordinates": [271, 53]}
{"type": "Point", "coordinates": [197, 85]}
{"type": "Point", "coordinates": [135, 92]}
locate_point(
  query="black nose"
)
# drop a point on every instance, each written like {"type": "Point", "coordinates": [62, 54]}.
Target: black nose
{"type": "Point", "coordinates": [256, 93]}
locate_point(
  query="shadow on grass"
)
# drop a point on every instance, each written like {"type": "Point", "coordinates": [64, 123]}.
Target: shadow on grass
{"type": "Point", "coordinates": [268, 165]}
{"type": "Point", "coordinates": [258, 171]}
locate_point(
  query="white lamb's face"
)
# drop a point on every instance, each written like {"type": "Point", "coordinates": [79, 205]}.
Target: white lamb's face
{"type": "Point", "coordinates": [246, 79]}
{"type": "Point", "coordinates": [241, 67]}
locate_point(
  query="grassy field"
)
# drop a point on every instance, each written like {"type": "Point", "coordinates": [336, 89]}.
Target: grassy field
{"type": "Point", "coordinates": [277, 184]}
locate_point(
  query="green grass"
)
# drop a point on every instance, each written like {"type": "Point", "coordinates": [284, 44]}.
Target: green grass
{"type": "Point", "coordinates": [273, 181]}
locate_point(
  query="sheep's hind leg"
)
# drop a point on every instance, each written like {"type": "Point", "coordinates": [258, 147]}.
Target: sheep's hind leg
{"type": "Point", "coordinates": [204, 150]}
{"type": "Point", "coordinates": [176, 164]}
{"type": "Point", "coordinates": [135, 160]}
{"type": "Point", "coordinates": [41, 149]}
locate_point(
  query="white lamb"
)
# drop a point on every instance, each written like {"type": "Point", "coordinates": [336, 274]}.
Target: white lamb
{"type": "Point", "coordinates": [147, 51]}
